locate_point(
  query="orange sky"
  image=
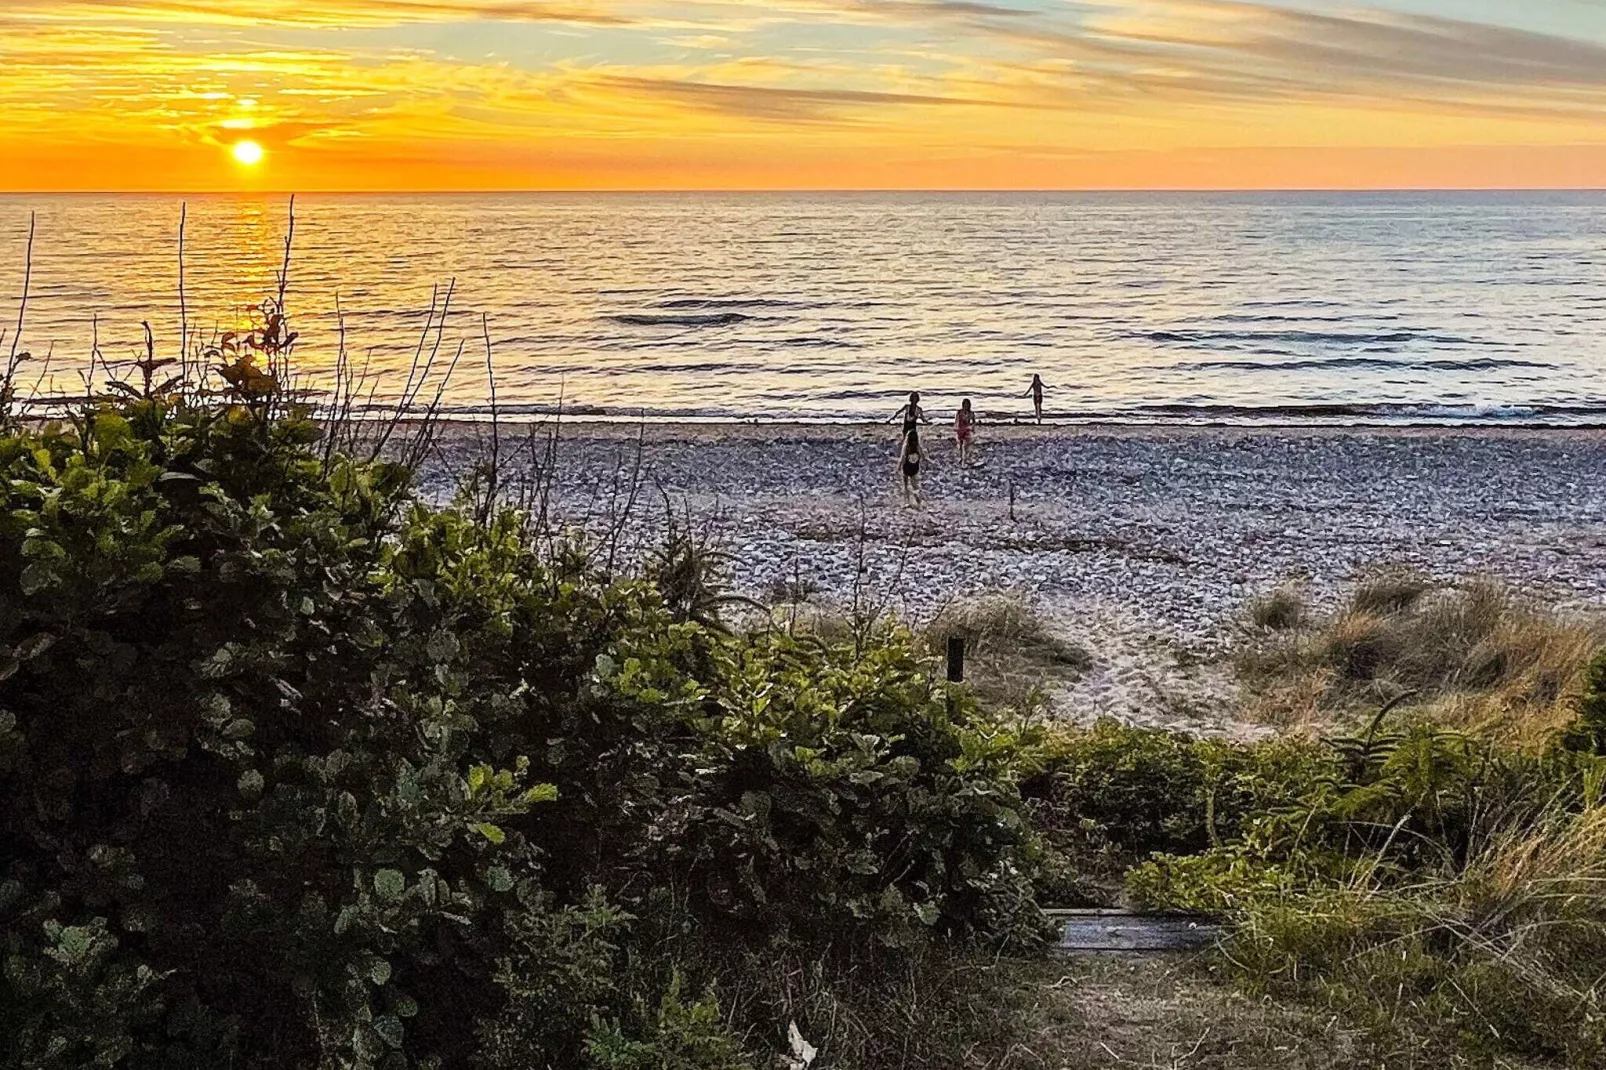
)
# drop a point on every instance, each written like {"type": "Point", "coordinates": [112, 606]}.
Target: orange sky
{"type": "Point", "coordinates": [724, 94]}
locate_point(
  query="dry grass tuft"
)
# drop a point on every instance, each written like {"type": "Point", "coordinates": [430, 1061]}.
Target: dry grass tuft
{"type": "Point", "coordinates": [1278, 611]}
{"type": "Point", "coordinates": [1011, 650]}
{"type": "Point", "coordinates": [1474, 656]}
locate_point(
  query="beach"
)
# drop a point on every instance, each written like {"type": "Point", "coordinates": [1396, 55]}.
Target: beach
{"type": "Point", "coordinates": [1141, 544]}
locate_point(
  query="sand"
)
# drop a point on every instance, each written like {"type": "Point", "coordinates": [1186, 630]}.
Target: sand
{"type": "Point", "coordinates": [1142, 543]}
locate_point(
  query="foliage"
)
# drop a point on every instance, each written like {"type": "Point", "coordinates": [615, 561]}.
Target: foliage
{"type": "Point", "coordinates": [298, 770]}
{"type": "Point", "coordinates": [1440, 885]}
{"type": "Point", "coordinates": [1012, 651]}
{"type": "Point", "coordinates": [1278, 610]}
{"type": "Point", "coordinates": [1109, 797]}
{"type": "Point", "coordinates": [1588, 730]}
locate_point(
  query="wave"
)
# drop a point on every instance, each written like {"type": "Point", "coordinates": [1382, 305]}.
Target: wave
{"type": "Point", "coordinates": [1471, 364]}
{"type": "Point", "coordinates": [1307, 337]}
{"type": "Point", "coordinates": [713, 319]}
{"type": "Point", "coordinates": [1368, 414]}
{"type": "Point", "coordinates": [1359, 415]}
{"type": "Point", "coordinates": [728, 303]}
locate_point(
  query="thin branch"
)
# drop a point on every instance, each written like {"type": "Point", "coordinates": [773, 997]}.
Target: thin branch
{"type": "Point", "coordinates": [183, 302]}
{"type": "Point", "coordinates": [22, 309]}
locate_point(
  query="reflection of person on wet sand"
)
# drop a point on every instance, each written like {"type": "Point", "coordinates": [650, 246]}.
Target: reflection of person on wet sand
{"type": "Point", "coordinates": [964, 430]}
{"type": "Point", "coordinates": [909, 466]}
{"type": "Point", "coordinates": [1035, 392]}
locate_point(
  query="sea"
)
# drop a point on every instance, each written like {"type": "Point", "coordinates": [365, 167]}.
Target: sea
{"type": "Point", "coordinates": [1251, 308]}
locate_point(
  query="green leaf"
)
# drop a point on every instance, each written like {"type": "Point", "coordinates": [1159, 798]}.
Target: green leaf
{"type": "Point", "coordinates": [541, 793]}
{"type": "Point", "coordinates": [390, 884]}
{"type": "Point", "coordinates": [36, 577]}
{"type": "Point", "coordinates": [34, 645]}
{"type": "Point", "coordinates": [390, 1030]}
{"type": "Point", "coordinates": [251, 784]}
{"type": "Point", "coordinates": [499, 879]}
{"type": "Point", "coordinates": [442, 647]}
{"type": "Point", "coordinates": [491, 832]}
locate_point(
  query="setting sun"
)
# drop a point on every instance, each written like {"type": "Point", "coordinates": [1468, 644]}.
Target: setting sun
{"type": "Point", "coordinates": [248, 153]}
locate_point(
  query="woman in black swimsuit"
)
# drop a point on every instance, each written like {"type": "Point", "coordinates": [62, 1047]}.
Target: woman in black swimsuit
{"type": "Point", "coordinates": [911, 414]}
{"type": "Point", "coordinates": [909, 465]}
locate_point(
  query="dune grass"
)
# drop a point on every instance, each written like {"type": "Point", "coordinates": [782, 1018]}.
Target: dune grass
{"type": "Point", "coordinates": [1476, 656]}
{"type": "Point", "coordinates": [1012, 651]}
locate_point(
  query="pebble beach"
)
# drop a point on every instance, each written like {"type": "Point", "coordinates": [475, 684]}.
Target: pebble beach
{"type": "Point", "coordinates": [1142, 544]}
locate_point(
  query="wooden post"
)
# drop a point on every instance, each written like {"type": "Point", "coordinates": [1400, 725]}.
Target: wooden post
{"type": "Point", "coordinates": [956, 659]}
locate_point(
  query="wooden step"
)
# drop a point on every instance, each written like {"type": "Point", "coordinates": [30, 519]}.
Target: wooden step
{"type": "Point", "coordinates": [1125, 930]}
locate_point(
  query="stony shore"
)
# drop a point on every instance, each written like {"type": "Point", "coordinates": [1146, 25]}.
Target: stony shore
{"type": "Point", "coordinates": [1143, 543]}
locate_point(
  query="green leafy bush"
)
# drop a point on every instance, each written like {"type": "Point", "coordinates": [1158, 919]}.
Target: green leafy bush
{"type": "Point", "coordinates": [297, 770]}
{"type": "Point", "coordinates": [1111, 796]}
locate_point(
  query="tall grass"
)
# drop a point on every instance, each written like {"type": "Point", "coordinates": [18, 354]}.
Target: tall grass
{"type": "Point", "coordinates": [1475, 656]}
{"type": "Point", "coordinates": [1505, 954]}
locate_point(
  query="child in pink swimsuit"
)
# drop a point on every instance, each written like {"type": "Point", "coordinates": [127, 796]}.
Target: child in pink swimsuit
{"type": "Point", "coordinates": [965, 430]}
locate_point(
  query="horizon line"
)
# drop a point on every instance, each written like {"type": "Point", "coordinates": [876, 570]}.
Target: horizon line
{"type": "Point", "coordinates": [795, 191]}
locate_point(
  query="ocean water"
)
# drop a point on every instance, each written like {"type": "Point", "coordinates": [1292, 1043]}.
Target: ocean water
{"type": "Point", "coordinates": [1270, 308]}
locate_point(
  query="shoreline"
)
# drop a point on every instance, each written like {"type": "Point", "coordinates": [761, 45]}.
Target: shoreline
{"type": "Point", "coordinates": [623, 428]}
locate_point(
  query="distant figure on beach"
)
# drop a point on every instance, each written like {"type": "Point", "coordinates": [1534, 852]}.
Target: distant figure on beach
{"type": "Point", "coordinates": [1035, 392]}
{"type": "Point", "coordinates": [911, 414]}
{"type": "Point", "coordinates": [909, 465]}
{"type": "Point", "coordinates": [964, 430]}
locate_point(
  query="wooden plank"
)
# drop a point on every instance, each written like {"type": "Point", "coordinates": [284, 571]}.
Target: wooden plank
{"type": "Point", "coordinates": [1124, 931]}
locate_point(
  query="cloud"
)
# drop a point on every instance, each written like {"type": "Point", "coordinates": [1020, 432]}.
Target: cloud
{"type": "Point", "coordinates": [778, 103]}
{"type": "Point", "coordinates": [322, 14]}
{"type": "Point", "coordinates": [1243, 50]}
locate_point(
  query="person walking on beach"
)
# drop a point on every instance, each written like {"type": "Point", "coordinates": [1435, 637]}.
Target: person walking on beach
{"type": "Point", "coordinates": [964, 430]}
{"type": "Point", "coordinates": [1035, 392]}
{"type": "Point", "coordinates": [911, 414]}
{"type": "Point", "coordinates": [909, 465]}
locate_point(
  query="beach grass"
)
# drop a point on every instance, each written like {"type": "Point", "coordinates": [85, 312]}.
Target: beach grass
{"type": "Point", "coordinates": [1475, 655]}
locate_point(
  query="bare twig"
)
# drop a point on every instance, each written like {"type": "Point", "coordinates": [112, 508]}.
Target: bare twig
{"type": "Point", "coordinates": [183, 302]}
{"type": "Point", "coordinates": [22, 307]}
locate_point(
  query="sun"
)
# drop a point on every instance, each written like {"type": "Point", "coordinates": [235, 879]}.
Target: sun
{"type": "Point", "coordinates": [248, 153]}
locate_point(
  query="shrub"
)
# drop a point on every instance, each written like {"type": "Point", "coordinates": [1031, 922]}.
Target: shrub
{"type": "Point", "coordinates": [1444, 888]}
{"type": "Point", "coordinates": [1109, 797]}
{"type": "Point", "coordinates": [1588, 730]}
{"type": "Point", "coordinates": [1011, 650]}
{"type": "Point", "coordinates": [296, 770]}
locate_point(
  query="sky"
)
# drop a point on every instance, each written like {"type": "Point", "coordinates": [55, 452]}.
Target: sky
{"type": "Point", "coordinates": [801, 94]}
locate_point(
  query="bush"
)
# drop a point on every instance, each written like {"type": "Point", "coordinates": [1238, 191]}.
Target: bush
{"type": "Point", "coordinates": [1011, 651]}
{"type": "Point", "coordinates": [1109, 797]}
{"type": "Point", "coordinates": [1278, 611]}
{"type": "Point", "coordinates": [296, 770]}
